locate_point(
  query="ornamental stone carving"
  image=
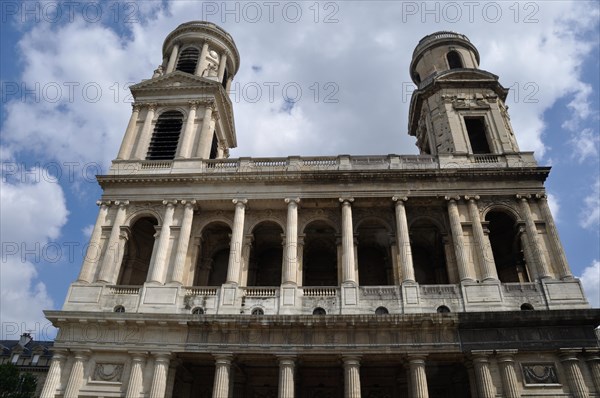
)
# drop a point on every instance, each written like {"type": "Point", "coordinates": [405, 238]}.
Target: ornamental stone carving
{"type": "Point", "coordinates": [108, 372]}
{"type": "Point", "coordinates": [540, 374]}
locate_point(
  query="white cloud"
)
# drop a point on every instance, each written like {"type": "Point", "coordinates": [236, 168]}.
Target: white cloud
{"type": "Point", "coordinates": [33, 214]}
{"type": "Point", "coordinates": [589, 216]}
{"type": "Point", "coordinates": [87, 230]}
{"type": "Point", "coordinates": [585, 145]}
{"type": "Point", "coordinates": [554, 205]}
{"type": "Point", "coordinates": [590, 279]}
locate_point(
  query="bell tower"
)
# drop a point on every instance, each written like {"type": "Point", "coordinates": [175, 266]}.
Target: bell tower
{"type": "Point", "coordinates": [457, 107]}
{"type": "Point", "coordinates": [183, 111]}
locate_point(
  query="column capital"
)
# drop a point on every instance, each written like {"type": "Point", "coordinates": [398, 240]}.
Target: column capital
{"type": "Point", "coordinates": [151, 106]}
{"type": "Point", "coordinates": [164, 357]}
{"type": "Point", "coordinates": [472, 198]}
{"type": "Point", "coordinates": [452, 199]}
{"type": "Point", "coordinates": [523, 197]}
{"type": "Point", "coordinates": [346, 200]}
{"type": "Point", "coordinates": [541, 196]}
{"type": "Point", "coordinates": [136, 106]}
{"type": "Point", "coordinates": [223, 359]}
{"type": "Point", "coordinates": [188, 203]}
{"type": "Point", "coordinates": [169, 203]}
{"type": "Point", "coordinates": [416, 358]}
{"type": "Point", "coordinates": [351, 360]}
{"type": "Point", "coordinates": [121, 203]}
{"type": "Point", "coordinates": [399, 199]}
{"type": "Point", "coordinates": [287, 359]}
{"type": "Point", "coordinates": [215, 115]}
{"type": "Point", "coordinates": [103, 203]}
{"type": "Point", "coordinates": [193, 104]}
{"type": "Point", "coordinates": [568, 354]}
{"type": "Point", "coordinates": [82, 354]}
{"type": "Point", "coordinates": [481, 355]}
{"type": "Point", "coordinates": [60, 355]}
{"type": "Point", "coordinates": [291, 201]}
{"type": "Point", "coordinates": [239, 202]}
{"type": "Point", "coordinates": [138, 356]}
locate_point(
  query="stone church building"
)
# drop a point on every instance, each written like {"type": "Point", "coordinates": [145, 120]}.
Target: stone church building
{"type": "Point", "coordinates": [434, 275]}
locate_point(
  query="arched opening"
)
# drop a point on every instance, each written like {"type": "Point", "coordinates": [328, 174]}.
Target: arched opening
{"type": "Point", "coordinates": [319, 311]}
{"type": "Point", "coordinates": [138, 251]}
{"type": "Point", "coordinates": [442, 309]}
{"type": "Point", "coordinates": [526, 307]}
{"type": "Point", "coordinates": [427, 248]}
{"type": "Point", "coordinates": [188, 59]}
{"type": "Point", "coordinates": [198, 311]}
{"type": "Point", "coordinates": [506, 247]}
{"type": "Point", "coordinates": [257, 311]}
{"type": "Point", "coordinates": [319, 263]}
{"type": "Point", "coordinates": [381, 311]}
{"type": "Point", "coordinates": [165, 138]}
{"type": "Point", "coordinates": [119, 308]}
{"type": "Point", "coordinates": [225, 78]}
{"type": "Point", "coordinates": [266, 255]}
{"type": "Point", "coordinates": [374, 259]}
{"type": "Point", "coordinates": [211, 268]}
{"type": "Point", "coordinates": [454, 60]}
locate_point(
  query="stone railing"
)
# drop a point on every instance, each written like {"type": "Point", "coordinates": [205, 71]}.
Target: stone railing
{"type": "Point", "coordinates": [201, 291]}
{"type": "Point", "coordinates": [319, 291]}
{"type": "Point", "coordinates": [520, 287]}
{"type": "Point", "coordinates": [379, 291]}
{"type": "Point", "coordinates": [121, 290]}
{"type": "Point", "coordinates": [439, 290]}
{"type": "Point", "coordinates": [260, 291]}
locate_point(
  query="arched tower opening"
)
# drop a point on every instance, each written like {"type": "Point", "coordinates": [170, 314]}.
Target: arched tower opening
{"type": "Point", "coordinates": [319, 263]}
{"type": "Point", "coordinates": [211, 268]}
{"type": "Point", "coordinates": [427, 246]}
{"type": "Point", "coordinates": [138, 252]}
{"type": "Point", "coordinates": [506, 247]}
{"type": "Point", "coordinates": [266, 255]}
{"type": "Point", "coordinates": [165, 138]}
{"type": "Point", "coordinates": [374, 257]}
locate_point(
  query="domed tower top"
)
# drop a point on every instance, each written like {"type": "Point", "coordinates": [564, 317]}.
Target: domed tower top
{"type": "Point", "coordinates": [203, 49]}
{"type": "Point", "coordinates": [442, 51]}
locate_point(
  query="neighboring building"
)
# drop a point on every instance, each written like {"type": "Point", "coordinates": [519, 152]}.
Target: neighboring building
{"type": "Point", "coordinates": [439, 274]}
{"type": "Point", "coordinates": [29, 356]}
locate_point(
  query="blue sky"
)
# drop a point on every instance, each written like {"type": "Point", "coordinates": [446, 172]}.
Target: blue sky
{"type": "Point", "coordinates": [316, 78]}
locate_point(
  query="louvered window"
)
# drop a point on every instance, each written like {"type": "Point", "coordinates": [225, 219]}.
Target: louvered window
{"type": "Point", "coordinates": [188, 60]}
{"type": "Point", "coordinates": [166, 136]}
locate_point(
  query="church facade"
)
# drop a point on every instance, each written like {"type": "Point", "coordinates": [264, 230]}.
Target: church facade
{"type": "Point", "coordinates": [433, 275]}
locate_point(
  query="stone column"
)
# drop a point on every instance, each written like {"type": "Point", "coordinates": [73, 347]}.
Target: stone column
{"type": "Point", "coordinates": [113, 255]}
{"type": "Point", "coordinates": [534, 240]}
{"type": "Point", "coordinates": [235, 249]}
{"type": "Point", "coordinates": [403, 241]}
{"type": "Point", "coordinates": [564, 271]}
{"type": "Point", "coordinates": [159, 266]}
{"type": "Point", "coordinates": [127, 144]}
{"type": "Point", "coordinates": [159, 377]}
{"type": "Point", "coordinates": [575, 378]}
{"type": "Point", "coordinates": [173, 58]}
{"type": "Point", "coordinates": [77, 372]}
{"type": "Point", "coordinates": [348, 262]}
{"type": "Point", "coordinates": [205, 142]}
{"type": "Point", "coordinates": [286, 377]}
{"type": "Point", "coordinates": [185, 147]}
{"type": "Point", "coordinates": [291, 243]}
{"type": "Point", "coordinates": [351, 377]}
{"type": "Point", "coordinates": [488, 267]}
{"type": "Point", "coordinates": [593, 360]}
{"type": "Point", "coordinates": [485, 385]}
{"type": "Point", "coordinates": [201, 58]}
{"type": "Point", "coordinates": [52, 382]}
{"type": "Point", "coordinates": [93, 252]}
{"type": "Point", "coordinates": [136, 379]}
{"type": "Point", "coordinates": [222, 65]}
{"type": "Point", "coordinates": [418, 377]}
{"type": "Point", "coordinates": [144, 138]}
{"type": "Point", "coordinates": [228, 85]}
{"type": "Point", "coordinates": [459, 241]}
{"type": "Point", "coordinates": [183, 241]}
{"type": "Point", "coordinates": [528, 255]}
{"type": "Point", "coordinates": [507, 371]}
{"type": "Point", "coordinates": [222, 376]}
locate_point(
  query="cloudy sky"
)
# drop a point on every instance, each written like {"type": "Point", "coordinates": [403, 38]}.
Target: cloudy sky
{"type": "Point", "coordinates": [316, 78]}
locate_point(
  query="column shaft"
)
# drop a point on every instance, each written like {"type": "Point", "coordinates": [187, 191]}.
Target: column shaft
{"type": "Point", "coordinates": [403, 242]}
{"type": "Point", "coordinates": [201, 59]}
{"type": "Point", "coordinates": [286, 378]}
{"type": "Point", "coordinates": [112, 254]}
{"type": "Point", "coordinates": [348, 261]}
{"type": "Point", "coordinates": [134, 388]}
{"type": "Point", "coordinates": [76, 376]}
{"type": "Point", "coordinates": [205, 142]}
{"type": "Point", "coordinates": [418, 378]}
{"type": "Point", "coordinates": [534, 240]}
{"type": "Point", "coordinates": [222, 375]}
{"type": "Point", "coordinates": [560, 259]}
{"type": "Point", "coordinates": [52, 382]}
{"type": "Point", "coordinates": [291, 243]}
{"type": "Point", "coordinates": [351, 377]}
{"type": "Point", "coordinates": [144, 138]}
{"type": "Point", "coordinates": [222, 65]}
{"type": "Point", "coordinates": [235, 249]}
{"type": "Point", "coordinates": [488, 268]}
{"type": "Point", "coordinates": [183, 242]}
{"type": "Point", "coordinates": [158, 267]}
{"type": "Point", "coordinates": [93, 252]}
{"type": "Point", "coordinates": [127, 143]}
{"type": "Point", "coordinates": [594, 364]}
{"type": "Point", "coordinates": [574, 376]}
{"type": "Point", "coordinates": [185, 146]}
{"type": "Point", "coordinates": [173, 58]}
{"type": "Point", "coordinates": [485, 385]}
{"type": "Point", "coordinates": [509, 376]}
{"type": "Point", "coordinates": [459, 242]}
{"type": "Point", "coordinates": [159, 377]}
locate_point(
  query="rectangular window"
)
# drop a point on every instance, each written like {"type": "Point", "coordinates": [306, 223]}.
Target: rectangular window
{"type": "Point", "coordinates": [14, 359]}
{"type": "Point", "coordinates": [35, 359]}
{"type": "Point", "coordinates": [477, 135]}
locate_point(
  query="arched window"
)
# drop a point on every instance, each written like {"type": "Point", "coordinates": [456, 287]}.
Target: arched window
{"type": "Point", "coordinates": [166, 136]}
{"type": "Point", "coordinates": [138, 250]}
{"type": "Point", "coordinates": [319, 263]}
{"type": "Point", "coordinates": [427, 248]}
{"type": "Point", "coordinates": [258, 311]}
{"type": "Point", "coordinates": [526, 307]}
{"type": "Point", "coordinates": [442, 309]}
{"type": "Point", "coordinates": [454, 60]}
{"type": "Point", "coordinates": [266, 255]}
{"type": "Point", "coordinates": [187, 60]}
{"type": "Point", "coordinates": [506, 247]}
{"type": "Point", "coordinates": [198, 311]}
{"type": "Point", "coordinates": [381, 311]}
{"type": "Point", "coordinates": [319, 311]}
{"type": "Point", "coordinates": [374, 259]}
{"type": "Point", "coordinates": [211, 268]}
{"type": "Point", "coordinates": [119, 308]}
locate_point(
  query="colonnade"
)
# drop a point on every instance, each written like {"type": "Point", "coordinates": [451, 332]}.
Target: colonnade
{"type": "Point", "coordinates": [106, 265]}
{"type": "Point", "coordinates": [164, 368]}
